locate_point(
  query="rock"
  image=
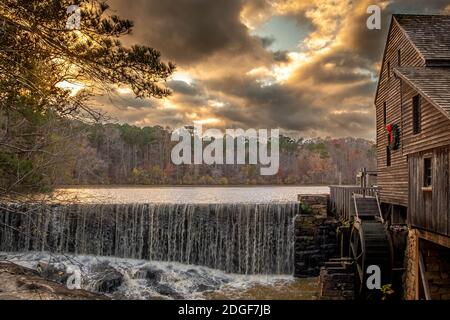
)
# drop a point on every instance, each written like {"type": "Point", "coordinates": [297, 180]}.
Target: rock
{"type": "Point", "coordinates": [149, 273]}
{"type": "Point", "coordinates": [108, 281]}
{"type": "Point", "coordinates": [20, 283]}
{"type": "Point", "coordinates": [165, 290]}
{"type": "Point", "coordinates": [192, 271]}
{"type": "Point", "coordinates": [203, 287]}
{"type": "Point", "coordinates": [54, 272]}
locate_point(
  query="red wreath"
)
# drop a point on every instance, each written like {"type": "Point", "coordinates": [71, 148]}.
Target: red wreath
{"type": "Point", "coordinates": [394, 136]}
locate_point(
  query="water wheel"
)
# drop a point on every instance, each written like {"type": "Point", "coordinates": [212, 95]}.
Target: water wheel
{"type": "Point", "coordinates": [370, 244]}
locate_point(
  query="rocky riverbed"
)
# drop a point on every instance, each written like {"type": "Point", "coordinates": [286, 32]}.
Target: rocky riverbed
{"type": "Point", "coordinates": [20, 283]}
{"type": "Point", "coordinates": [38, 275]}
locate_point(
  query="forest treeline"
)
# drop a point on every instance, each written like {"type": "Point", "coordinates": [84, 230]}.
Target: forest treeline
{"type": "Point", "coordinates": [124, 154]}
{"type": "Point", "coordinates": [51, 135]}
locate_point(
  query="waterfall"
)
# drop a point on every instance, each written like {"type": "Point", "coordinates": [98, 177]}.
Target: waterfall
{"type": "Point", "coordinates": [235, 238]}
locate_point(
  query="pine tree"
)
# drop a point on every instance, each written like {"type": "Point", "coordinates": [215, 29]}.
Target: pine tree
{"type": "Point", "coordinates": [38, 53]}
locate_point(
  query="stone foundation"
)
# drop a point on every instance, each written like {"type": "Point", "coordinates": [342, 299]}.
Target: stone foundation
{"type": "Point", "coordinates": [315, 243]}
{"type": "Point", "coordinates": [411, 267]}
{"type": "Point", "coordinates": [437, 268]}
{"type": "Point", "coordinates": [337, 280]}
{"type": "Point", "coordinates": [317, 203]}
{"type": "Point", "coordinates": [437, 264]}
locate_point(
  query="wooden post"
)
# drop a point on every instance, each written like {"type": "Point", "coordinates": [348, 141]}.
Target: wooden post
{"type": "Point", "coordinates": [416, 266]}
{"type": "Point", "coordinates": [363, 181]}
{"type": "Point", "coordinates": [423, 277]}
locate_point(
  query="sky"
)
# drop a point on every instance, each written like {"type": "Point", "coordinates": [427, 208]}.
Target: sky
{"type": "Point", "coordinates": [307, 67]}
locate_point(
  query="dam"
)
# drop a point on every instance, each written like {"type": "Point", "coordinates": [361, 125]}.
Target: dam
{"type": "Point", "coordinates": [243, 238]}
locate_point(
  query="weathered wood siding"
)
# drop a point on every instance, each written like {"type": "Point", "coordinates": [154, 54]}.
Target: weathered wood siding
{"type": "Point", "coordinates": [435, 126]}
{"type": "Point", "coordinates": [430, 210]}
{"type": "Point", "coordinates": [402, 183]}
{"type": "Point", "coordinates": [393, 180]}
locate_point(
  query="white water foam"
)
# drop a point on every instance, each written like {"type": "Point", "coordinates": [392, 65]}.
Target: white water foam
{"type": "Point", "coordinates": [141, 279]}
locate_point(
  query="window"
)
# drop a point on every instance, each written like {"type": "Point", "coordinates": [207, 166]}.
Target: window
{"type": "Point", "coordinates": [427, 172]}
{"type": "Point", "coordinates": [399, 58]}
{"type": "Point", "coordinates": [416, 115]}
{"type": "Point", "coordinates": [388, 156]}
{"type": "Point", "coordinates": [389, 69]}
{"type": "Point", "coordinates": [384, 113]}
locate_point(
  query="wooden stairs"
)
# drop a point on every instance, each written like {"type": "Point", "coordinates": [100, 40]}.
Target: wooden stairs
{"type": "Point", "coordinates": [367, 208]}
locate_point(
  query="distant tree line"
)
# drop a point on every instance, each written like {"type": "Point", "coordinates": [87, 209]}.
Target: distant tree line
{"type": "Point", "coordinates": [124, 154]}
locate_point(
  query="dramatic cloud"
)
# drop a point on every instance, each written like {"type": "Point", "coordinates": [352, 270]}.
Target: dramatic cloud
{"type": "Point", "coordinates": [308, 67]}
{"type": "Point", "coordinates": [187, 31]}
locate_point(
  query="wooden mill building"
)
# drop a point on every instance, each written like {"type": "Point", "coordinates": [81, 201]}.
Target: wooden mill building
{"type": "Point", "coordinates": [413, 140]}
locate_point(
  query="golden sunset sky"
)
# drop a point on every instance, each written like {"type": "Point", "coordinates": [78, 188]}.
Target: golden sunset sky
{"type": "Point", "coordinates": [308, 67]}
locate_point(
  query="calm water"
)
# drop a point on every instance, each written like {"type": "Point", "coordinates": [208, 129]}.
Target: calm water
{"type": "Point", "coordinates": [192, 194]}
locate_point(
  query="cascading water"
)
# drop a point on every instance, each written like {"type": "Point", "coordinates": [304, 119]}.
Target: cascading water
{"type": "Point", "coordinates": [236, 238]}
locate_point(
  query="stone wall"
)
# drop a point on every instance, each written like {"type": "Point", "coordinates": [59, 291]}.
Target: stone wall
{"type": "Point", "coordinates": [337, 280]}
{"type": "Point", "coordinates": [315, 243]}
{"type": "Point", "coordinates": [316, 203]}
{"type": "Point", "coordinates": [437, 268]}
{"type": "Point", "coordinates": [411, 267]}
{"type": "Point", "coordinates": [437, 264]}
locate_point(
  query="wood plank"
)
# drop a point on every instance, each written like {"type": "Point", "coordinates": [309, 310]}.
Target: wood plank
{"type": "Point", "coordinates": [429, 210]}
{"type": "Point", "coordinates": [423, 276]}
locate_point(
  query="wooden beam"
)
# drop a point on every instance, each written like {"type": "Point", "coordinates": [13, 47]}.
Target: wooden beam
{"type": "Point", "coordinates": [434, 237]}
{"type": "Point", "coordinates": [416, 264]}
{"type": "Point", "coordinates": [426, 290]}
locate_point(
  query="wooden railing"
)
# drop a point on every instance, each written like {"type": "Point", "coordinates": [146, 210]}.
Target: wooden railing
{"type": "Point", "coordinates": [341, 199]}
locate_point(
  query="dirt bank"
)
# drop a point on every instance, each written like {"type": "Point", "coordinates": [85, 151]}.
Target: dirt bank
{"type": "Point", "coordinates": [19, 283]}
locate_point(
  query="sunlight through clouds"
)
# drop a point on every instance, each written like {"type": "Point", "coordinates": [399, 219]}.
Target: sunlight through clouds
{"type": "Point", "coordinates": [292, 64]}
{"type": "Point", "coordinates": [184, 77]}
{"type": "Point", "coordinates": [207, 121]}
{"type": "Point", "coordinates": [73, 87]}
{"type": "Point", "coordinates": [124, 90]}
{"type": "Point", "coordinates": [216, 104]}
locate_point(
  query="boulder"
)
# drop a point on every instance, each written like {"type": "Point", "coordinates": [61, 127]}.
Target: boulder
{"type": "Point", "coordinates": [53, 271]}
{"type": "Point", "coordinates": [153, 275]}
{"type": "Point", "coordinates": [108, 281]}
